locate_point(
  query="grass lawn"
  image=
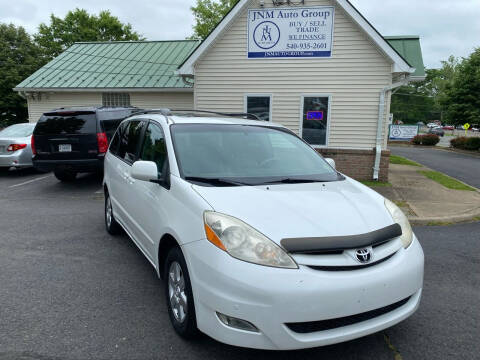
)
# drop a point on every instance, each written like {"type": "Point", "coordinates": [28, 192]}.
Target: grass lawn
{"type": "Point", "coordinates": [375, 183]}
{"type": "Point", "coordinates": [395, 159]}
{"type": "Point", "coordinates": [445, 180]}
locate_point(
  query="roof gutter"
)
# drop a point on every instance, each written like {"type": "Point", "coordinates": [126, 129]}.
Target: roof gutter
{"type": "Point", "coordinates": [381, 119]}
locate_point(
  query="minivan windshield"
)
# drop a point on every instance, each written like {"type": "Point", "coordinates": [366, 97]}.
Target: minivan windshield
{"type": "Point", "coordinates": [224, 154]}
{"type": "Point", "coordinates": [17, 130]}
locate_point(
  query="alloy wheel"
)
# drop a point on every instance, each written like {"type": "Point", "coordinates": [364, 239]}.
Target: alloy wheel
{"type": "Point", "coordinates": [176, 292]}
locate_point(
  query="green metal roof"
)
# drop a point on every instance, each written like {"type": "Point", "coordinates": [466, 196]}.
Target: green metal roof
{"type": "Point", "coordinates": [408, 47]}
{"type": "Point", "coordinates": [121, 64]}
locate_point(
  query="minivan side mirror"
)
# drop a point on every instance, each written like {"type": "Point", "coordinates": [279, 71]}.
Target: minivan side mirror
{"type": "Point", "coordinates": [144, 170]}
{"type": "Point", "coordinates": [331, 162]}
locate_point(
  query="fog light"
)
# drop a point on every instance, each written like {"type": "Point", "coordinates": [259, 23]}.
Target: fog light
{"type": "Point", "coordinates": [237, 323]}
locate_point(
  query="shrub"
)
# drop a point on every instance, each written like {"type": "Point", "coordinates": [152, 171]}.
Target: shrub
{"type": "Point", "coordinates": [430, 139]}
{"type": "Point", "coordinates": [427, 139]}
{"type": "Point", "coordinates": [472, 143]}
{"type": "Point", "coordinates": [417, 140]}
{"type": "Point", "coordinates": [459, 142]}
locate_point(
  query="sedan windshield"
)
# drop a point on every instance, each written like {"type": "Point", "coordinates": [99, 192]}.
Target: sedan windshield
{"type": "Point", "coordinates": [18, 130]}
{"type": "Point", "coordinates": [229, 155]}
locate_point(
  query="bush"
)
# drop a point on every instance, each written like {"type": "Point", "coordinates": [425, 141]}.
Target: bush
{"type": "Point", "coordinates": [458, 142]}
{"type": "Point", "coordinates": [473, 143]}
{"type": "Point", "coordinates": [427, 139]}
{"type": "Point", "coordinates": [417, 140]}
{"type": "Point", "coordinates": [466, 143]}
{"type": "Point", "coordinates": [430, 139]}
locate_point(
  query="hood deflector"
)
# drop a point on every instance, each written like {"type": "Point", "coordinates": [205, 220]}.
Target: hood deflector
{"type": "Point", "coordinates": [339, 243]}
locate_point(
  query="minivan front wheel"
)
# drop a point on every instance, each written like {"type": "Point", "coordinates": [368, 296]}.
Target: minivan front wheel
{"type": "Point", "coordinates": [179, 296]}
{"type": "Point", "coordinates": [112, 226]}
{"type": "Point", "coordinates": [65, 175]}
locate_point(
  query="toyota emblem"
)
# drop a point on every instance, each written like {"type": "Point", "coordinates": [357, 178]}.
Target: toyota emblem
{"type": "Point", "coordinates": [363, 255]}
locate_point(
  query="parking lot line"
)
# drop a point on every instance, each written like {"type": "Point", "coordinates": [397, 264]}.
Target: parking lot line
{"type": "Point", "coordinates": [29, 181]}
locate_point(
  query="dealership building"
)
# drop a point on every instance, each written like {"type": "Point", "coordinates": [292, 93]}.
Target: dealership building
{"type": "Point", "coordinates": [316, 66]}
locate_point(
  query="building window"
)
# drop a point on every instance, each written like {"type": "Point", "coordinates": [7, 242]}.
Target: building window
{"type": "Point", "coordinates": [315, 119]}
{"type": "Point", "coordinates": [116, 99]}
{"type": "Point", "coordinates": [260, 105]}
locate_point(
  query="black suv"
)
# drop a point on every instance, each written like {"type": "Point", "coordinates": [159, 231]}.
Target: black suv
{"type": "Point", "coordinates": [74, 140]}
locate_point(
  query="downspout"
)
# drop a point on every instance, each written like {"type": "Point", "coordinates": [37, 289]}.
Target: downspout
{"type": "Point", "coordinates": [381, 118]}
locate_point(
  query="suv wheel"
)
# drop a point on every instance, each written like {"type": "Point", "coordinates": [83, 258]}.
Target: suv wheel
{"type": "Point", "coordinates": [113, 228]}
{"type": "Point", "coordinates": [179, 296]}
{"type": "Point", "coordinates": [65, 175]}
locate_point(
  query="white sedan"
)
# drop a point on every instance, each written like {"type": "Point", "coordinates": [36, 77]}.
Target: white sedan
{"type": "Point", "coordinates": [260, 241]}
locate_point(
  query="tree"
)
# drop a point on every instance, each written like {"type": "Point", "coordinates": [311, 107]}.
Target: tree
{"type": "Point", "coordinates": [79, 25]}
{"type": "Point", "coordinates": [208, 13]}
{"type": "Point", "coordinates": [462, 95]}
{"type": "Point", "coordinates": [424, 100]}
{"type": "Point", "coordinates": [19, 58]}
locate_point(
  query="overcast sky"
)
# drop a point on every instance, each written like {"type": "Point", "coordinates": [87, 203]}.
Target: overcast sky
{"type": "Point", "coordinates": [446, 27]}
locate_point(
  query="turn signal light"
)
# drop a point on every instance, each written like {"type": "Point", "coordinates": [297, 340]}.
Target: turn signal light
{"type": "Point", "coordinates": [15, 147]}
{"type": "Point", "coordinates": [102, 143]}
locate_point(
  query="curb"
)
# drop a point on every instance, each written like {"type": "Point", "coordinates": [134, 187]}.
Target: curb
{"type": "Point", "coordinates": [446, 219]}
{"type": "Point", "coordinates": [459, 151]}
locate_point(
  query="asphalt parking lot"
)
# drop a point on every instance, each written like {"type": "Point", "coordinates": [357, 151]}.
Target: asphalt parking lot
{"type": "Point", "coordinates": [68, 290]}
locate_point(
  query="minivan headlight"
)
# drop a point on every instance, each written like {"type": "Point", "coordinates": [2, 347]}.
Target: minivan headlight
{"type": "Point", "coordinates": [244, 242]}
{"type": "Point", "coordinates": [399, 217]}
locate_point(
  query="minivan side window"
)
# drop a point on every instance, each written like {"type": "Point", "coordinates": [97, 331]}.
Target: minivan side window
{"type": "Point", "coordinates": [154, 147]}
{"type": "Point", "coordinates": [129, 141]}
{"type": "Point", "coordinates": [115, 142]}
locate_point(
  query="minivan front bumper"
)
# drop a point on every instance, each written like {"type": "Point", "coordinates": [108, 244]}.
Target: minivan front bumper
{"type": "Point", "coordinates": [270, 298]}
{"type": "Point", "coordinates": [82, 165]}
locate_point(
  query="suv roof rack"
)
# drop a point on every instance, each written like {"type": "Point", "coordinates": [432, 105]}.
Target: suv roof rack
{"type": "Point", "coordinates": [168, 112]}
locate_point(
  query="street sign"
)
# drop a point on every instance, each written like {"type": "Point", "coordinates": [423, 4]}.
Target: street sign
{"type": "Point", "coordinates": [466, 126]}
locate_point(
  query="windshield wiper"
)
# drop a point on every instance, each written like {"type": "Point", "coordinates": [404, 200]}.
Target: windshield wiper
{"type": "Point", "coordinates": [292, 181]}
{"type": "Point", "coordinates": [215, 181]}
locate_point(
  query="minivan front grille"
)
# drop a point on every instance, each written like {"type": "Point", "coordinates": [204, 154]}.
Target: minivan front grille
{"type": "Point", "coordinates": [322, 325]}
{"type": "Point", "coordinates": [349, 267]}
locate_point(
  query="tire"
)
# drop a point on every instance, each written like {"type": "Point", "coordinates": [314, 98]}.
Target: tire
{"type": "Point", "coordinates": [112, 226]}
{"type": "Point", "coordinates": [4, 169]}
{"type": "Point", "coordinates": [176, 294]}
{"type": "Point", "coordinates": [65, 175]}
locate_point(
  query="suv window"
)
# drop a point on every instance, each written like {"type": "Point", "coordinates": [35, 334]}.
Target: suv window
{"type": "Point", "coordinates": [154, 147]}
{"type": "Point", "coordinates": [66, 124]}
{"type": "Point", "coordinates": [129, 140]}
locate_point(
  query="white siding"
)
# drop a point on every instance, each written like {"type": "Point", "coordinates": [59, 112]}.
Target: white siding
{"type": "Point", "coordinates": [38, 104]}
{"type": "Point", "coordinates": [353, 76]}
{"type": "Point", "coordinates": [48, 101]}
{"type": "Point", "coordinates": [171, 100]}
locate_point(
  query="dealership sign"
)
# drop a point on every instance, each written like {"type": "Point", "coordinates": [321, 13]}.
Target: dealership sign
{"type": "Point", "coordinates": [290, 32]}
{"type": "Point", "coordinates": [402, 132]}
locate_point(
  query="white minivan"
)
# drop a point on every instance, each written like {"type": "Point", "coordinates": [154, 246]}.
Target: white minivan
{"type": "Point", "coordinates": [260, 241]}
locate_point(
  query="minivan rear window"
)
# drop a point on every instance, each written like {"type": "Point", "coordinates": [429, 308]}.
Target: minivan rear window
{"type": "Point", "coordinates": [67, 124]}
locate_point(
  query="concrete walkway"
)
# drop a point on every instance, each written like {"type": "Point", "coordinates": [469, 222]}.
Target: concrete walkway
{"type": "Point", "coordinates": [426, 201]}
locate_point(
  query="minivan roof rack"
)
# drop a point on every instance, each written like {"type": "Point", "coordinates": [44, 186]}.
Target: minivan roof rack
{"type": "Point", "coordinates": [168, 112]}
{"type": "Point", "coordinates": [162, 111]}
{"type": "Point", "coordinates": [249, 116]}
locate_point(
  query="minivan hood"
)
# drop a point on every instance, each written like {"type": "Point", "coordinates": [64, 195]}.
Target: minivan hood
{"type": "Point", "coordinates": [302, 210]}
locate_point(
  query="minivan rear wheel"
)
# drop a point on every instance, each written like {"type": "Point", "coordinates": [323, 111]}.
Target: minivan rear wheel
{"type": "Point", "coordinates": [179, 296]}
{"type": "Point", "coordinates": [65, 175]}
{"type": "Point", "coordinates": [112, 226]}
